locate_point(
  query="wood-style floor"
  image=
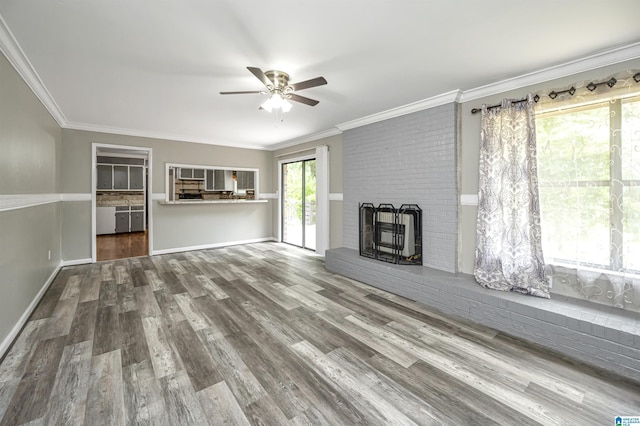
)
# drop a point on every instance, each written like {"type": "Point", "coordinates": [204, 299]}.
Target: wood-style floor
{"type": "Point", "coordinates": [121, 246]}
{"type": "Point", "coordinates": [263, 334]}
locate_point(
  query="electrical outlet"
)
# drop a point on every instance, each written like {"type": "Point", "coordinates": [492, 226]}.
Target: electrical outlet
{"type": "Point", "coordinates": [49, 255]}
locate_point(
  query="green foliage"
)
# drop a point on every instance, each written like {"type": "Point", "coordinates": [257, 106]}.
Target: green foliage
{"type": "Point", "coordinates": [581, 209]}
{"type": "Point", "coordinates": [293, 178]}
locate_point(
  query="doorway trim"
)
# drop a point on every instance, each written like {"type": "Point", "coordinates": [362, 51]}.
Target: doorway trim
{"type": "Point", "coordinates": [94, 182]}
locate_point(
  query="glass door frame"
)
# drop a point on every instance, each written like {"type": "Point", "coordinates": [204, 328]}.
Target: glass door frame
{"type": "Point", "coordinates": [281, 164]}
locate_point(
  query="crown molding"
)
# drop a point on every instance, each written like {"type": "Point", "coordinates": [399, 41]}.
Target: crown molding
{"type": "Point", "coordinates": [431, 102]}
{"type": "Point", "coordinates": [16, 57]}
{"type": "Point", "coordinates": [599, 60]}
{"type": "Point", "coordinates": [155, 135]}
{"type": "Point", "coordinates": [304, 139]}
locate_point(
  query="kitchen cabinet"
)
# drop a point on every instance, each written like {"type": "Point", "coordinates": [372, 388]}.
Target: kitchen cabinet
{"type": "Point", "coordinates": [191, 173]}
{"type": "Point", "coordinates": [136, 177]}
{"type": "Point", "coordinates": [209, 180]}
{"type": "Point", "coordinates": [105, 220]}
{"type": "Point", "coordinates": [136, 221]}
{"type": "Point", "coordinates": [219, 180]}
{"type": "Point", "coordinates": [122, 219]}
{"type": "Point", "coordinates": [216, 180]}
{"type": "Point", "coordinates": [120, 177]}
{"type": "Point", "coordinates": [245, 179]}
{"type": "Point", "coordinates": [105, 176]}
{"type": "Point", "coordinates": [117, 177]}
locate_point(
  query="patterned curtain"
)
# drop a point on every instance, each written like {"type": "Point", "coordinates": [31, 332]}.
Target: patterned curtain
{"type": "Point", "coordinates": [589, 169]}
{"type": "Point", "coordinates": [509, 247]}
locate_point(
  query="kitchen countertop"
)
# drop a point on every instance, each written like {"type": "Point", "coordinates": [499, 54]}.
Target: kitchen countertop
{"type": "Point", "coordinates": [229, 201]}
{"type": "Point", "coordinates": [119, 203]}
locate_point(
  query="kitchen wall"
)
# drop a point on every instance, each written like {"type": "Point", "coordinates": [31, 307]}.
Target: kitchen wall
{"type": "Point", "coordinates": [30, 212]}
{"type": "Point", "coordinates": [335, 181]}
{"type": "Point", "coordinates": [175, 227]}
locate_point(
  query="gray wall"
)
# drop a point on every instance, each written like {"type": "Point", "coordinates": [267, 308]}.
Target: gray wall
{"type": "Point", "coordinates": [335, 181]}
{"type": "Point", "coordinates": [410, 159]}
{"type": "Point", "coordinates": [29, 164]}
{"type": "Point", "coordinates": [174, 227]}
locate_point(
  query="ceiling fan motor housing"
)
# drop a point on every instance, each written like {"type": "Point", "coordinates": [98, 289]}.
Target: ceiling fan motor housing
{"type": "Point", "coordinates": [280, 81]}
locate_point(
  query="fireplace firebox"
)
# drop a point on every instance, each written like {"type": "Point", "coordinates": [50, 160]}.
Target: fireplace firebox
{"type": "Point", "coordinates": [391, 235]}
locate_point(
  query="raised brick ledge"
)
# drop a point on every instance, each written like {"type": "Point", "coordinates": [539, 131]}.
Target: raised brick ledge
{"type": "Point", "coordinates": [601, 336]}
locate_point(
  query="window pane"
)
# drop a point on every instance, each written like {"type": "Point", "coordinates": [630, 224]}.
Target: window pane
{"type": "Point", "coordinates": [631, 227]}
{"type": "Point", "coordinates": [631, 139]}
{"type": "Point", "coordinates": [575, 224]}
{"type": "Point", "coordinates": [574, 146]}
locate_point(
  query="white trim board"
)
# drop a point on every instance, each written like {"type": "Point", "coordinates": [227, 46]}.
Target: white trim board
{"type": "Point", "coordinates": [14, 54]}
{"type": "Point", "coordinates": [211, 246]}
{"type": "Point", "coordinates": [434, 101]}
{"type": "Point", "coordinates": [17, 328]}
{"type": "Point", "coordinates": [21, 201]}
{"type": "Point", "coordinates": [76, 197]}
{"type": "Point", "coordinates": [469, 199]}
{"type": "Point", "coordinates": [566, 69]}
{"type": "Point", "coordinates": [336, 196]}
{"type": "Point", "coordinates": [75, 262]}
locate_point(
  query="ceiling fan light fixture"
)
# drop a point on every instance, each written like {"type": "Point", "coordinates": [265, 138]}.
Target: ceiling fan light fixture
{"type": "Point", "coordinates": [286, 105]}
{"type": "Point", "coordinates": [267, 105]}
{"type": "Point", "coordinates": [275, 102]}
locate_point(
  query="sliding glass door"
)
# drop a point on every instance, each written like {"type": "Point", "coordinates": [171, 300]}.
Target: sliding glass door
{"type": "Point", "coordinates": [299, 203]}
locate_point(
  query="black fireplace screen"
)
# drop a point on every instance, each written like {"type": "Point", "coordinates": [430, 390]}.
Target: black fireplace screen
{"type": "Point", "coordinates": [391, 235]}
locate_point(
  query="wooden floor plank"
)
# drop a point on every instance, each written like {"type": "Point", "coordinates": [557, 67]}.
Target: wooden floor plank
{"type": "Point", "coordinates": [373, 407]}
{"type": "Point", "coordinates": [163, 356]}
{"type": "Point", "coordinates": [181, 401]}
{"type": "Point", "coordinates": [220, 406]}
{"type": "Point", "coordinates": [67, 403]}
{"type": "Point", "coordinates": [134, 344]}
{"type": "Point", "coordinates": [403, 399]}
{"type": "Point", "coordinates": [196, 360]}
{"type": "Point", "coordinates": [105, 397]}
{"type": "Point", "coordinates": [107, 336]}
{"type": "Point", "coordinates": [143, 400]}
{"type": "Point", "coordinates": [237, 376]}
{"type": "Point", "coordinates": [263, 334]}
{"type": "Point", "coordinates": [29, 401]}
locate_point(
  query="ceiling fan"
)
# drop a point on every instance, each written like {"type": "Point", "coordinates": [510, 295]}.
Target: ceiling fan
{"type": "Point", "coordinates": [277, 84]}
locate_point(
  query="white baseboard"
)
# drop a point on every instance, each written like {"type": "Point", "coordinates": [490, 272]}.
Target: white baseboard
{"type": "Point", "coordinates": [6, 343]}
{"type": "Point", "coordinates": [76, 262]}
{"type": "Point", "coordinates": [210, 246]}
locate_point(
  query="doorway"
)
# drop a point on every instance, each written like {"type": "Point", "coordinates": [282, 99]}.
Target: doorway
{"type": "Point", "coordinates": [121, 208]}
{"type": "Point", "coordinates": [299, 203]}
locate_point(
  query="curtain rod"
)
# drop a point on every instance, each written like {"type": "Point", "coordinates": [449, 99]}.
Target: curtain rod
{"type": "Point", "coordinates": [553, 94]}
{"type": "Point", "coordinates": [536, 98]}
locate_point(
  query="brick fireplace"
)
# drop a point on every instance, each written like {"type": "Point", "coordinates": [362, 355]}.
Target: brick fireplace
{"type": "Point", "coordinates": [411, 159]}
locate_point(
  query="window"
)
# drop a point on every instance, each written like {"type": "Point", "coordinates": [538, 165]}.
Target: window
{"type": "Point", "coordinates": [589, 170]}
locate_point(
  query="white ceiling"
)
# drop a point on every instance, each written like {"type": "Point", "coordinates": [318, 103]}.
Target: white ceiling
{"type": "Point", "coordinates": [154, 68]}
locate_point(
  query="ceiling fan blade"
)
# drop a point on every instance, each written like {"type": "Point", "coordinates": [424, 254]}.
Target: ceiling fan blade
{"type": "Point", "coordinates": [254, 92]}
{"type": "Point", "coordinates": [302, 99]}
{"type": "Point", "coordinates": [260, 76]}
{"type": "Point", "coordinates": [318, 81]}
